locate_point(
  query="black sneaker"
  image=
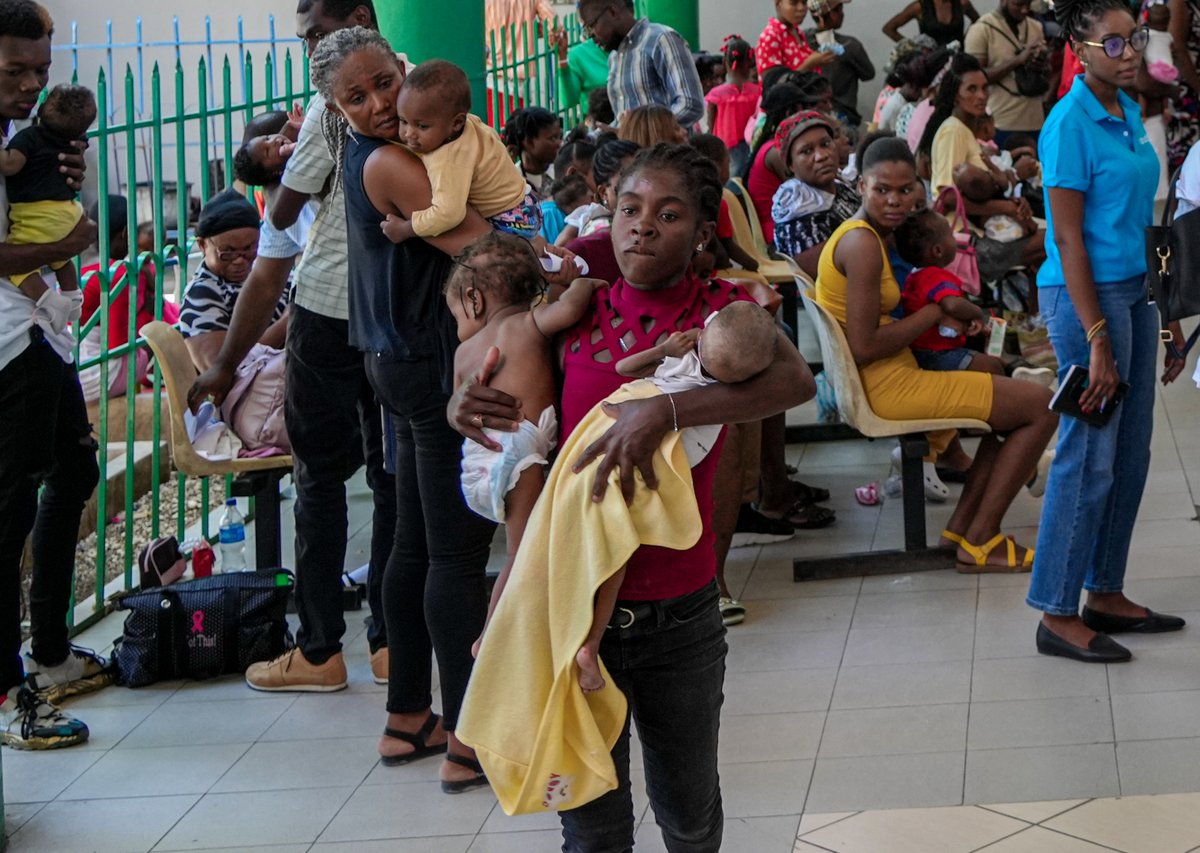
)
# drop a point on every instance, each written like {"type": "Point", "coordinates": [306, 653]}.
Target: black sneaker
{"type": "Point", "coordinates": [754, 528]}
{"type": "Point", "coordinates": [27, 721]}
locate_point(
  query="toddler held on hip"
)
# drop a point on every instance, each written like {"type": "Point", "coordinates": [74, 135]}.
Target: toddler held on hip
{"type": "Point", "coordinates": [492, 294]}
{"type": "Point", "coordinates": [466, 160]}
{"type": "Point", "coordinates": [43, 207]}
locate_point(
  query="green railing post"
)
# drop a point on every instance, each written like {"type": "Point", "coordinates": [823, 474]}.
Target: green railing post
{"type": "Point", "coordinates": [450, 29]}
{"type": "Point", "coordinates": [131, 288]}
{"type": "Point", "coordinates": [158, 273]}
{"type": "Point", "coordinates": [683, 16]}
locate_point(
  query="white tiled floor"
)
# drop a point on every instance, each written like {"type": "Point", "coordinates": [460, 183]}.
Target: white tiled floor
{"type": "Point", "coordinates": [863, 715]}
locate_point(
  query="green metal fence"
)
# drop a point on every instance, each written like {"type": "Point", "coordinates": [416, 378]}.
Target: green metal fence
{"type": "Point", "coordinates": [181, 116]}
{"type": "Point", "coordinates": [145, 149]}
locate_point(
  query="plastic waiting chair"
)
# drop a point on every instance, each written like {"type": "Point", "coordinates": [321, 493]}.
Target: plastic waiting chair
{"type": "Point", "coordinates": [257, 478]}
{"type": "Point", "coordinates": [842, 374]}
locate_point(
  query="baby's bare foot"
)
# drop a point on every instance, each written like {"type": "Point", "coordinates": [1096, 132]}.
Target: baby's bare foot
{"type": "Point", "coordinates": [590, 678]}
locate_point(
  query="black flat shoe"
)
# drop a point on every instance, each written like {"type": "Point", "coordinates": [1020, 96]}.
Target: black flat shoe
{"type": "Point", "coordinates": [1102, 648]}
{"type": "Point", "coordinates": [1151, 623]}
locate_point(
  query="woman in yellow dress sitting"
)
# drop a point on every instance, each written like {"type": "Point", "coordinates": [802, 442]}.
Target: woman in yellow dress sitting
{"type": "Point", "coordinates": [855, 283]}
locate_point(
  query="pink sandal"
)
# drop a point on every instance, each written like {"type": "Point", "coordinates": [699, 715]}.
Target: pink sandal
{"type": "Point", "coordinates": [868, 495]}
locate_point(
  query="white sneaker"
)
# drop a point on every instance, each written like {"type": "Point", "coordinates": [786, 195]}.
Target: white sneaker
{"type": "Point", "coordinates": [28, 721]}
{"type": "Point", "coordinates": [82, 672]}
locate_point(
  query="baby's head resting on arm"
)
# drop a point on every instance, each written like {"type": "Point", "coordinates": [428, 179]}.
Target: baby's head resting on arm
{"type": "Point", "coordinates": [924, 239]}
{"type": "Point", "coordinates": [68, 111]}
{"type": "Point", "coordinates": [738, 342]}
{"type": "Point", "coordinates": [495, 272]}
{"type": "Point", "coordinates": [433, 105]}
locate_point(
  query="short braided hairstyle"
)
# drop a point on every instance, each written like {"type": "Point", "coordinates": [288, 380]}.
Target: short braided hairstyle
{"type": "Point", "coordinates": [696, 172]}
{"type": "Point", "coordinates": [502, 265]}
{"type": "Point", "coordinates": [327, 59]}
{"type": "Point", "coordinates": [1079, 16]}
{"type": "Point", "coordinates": [608, 158]}
{"type": "Point", "coordinates": [526, 124]}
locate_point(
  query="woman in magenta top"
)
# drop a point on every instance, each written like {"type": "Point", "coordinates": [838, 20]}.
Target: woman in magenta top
{"type": "Point", "coordinates": [665, 647]}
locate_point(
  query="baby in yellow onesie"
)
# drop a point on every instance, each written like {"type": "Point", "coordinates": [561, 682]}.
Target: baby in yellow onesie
{"type": "Point", "coordinates": [466, 161]}
{"type": "Point", "coordinates": [43, 207]}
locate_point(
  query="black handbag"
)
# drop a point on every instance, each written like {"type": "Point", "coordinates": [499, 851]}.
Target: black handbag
{"type": "Point", "coordinates": [203, 628]}
{"type": "Point", "coordinates": [1032, 78]}
{"type": "Point", "coordinates": [1173, 267]}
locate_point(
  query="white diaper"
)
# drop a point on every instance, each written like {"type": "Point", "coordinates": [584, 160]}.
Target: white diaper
{"type": "Point", "coordinates": [489, 475]}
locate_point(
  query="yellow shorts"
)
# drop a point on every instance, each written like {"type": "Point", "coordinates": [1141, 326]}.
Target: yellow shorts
{"type": "Point", "coordinates": [35, 222]}
{"type": "Point", "coordinates": [900, 390]}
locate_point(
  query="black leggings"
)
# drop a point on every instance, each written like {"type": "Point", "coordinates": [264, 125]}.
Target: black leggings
{"type": "Point", "coordinates": [434, 591]}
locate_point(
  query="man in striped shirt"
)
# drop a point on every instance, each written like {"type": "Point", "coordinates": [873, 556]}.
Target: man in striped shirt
{"type": "Point", "coordinates": [648, 63]}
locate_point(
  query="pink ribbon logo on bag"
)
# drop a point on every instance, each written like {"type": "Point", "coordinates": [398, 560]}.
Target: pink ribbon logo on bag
{"type": "Point", "coordinates": [198, 622]}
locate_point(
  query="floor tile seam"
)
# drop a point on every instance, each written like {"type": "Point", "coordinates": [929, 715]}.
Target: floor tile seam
{"type": "Point", "coordinates": [1028, 826]}
{"type": "Point", "coordinates": [338, 810]}
{"type": "Point", "coordinates": [890, 754]}
{"type": "Point", "coordinates": [829, 704]}
{"type": "Point", "coordinates": [970, 694]}
{"type": "Point", "coordinates": [802, 836]}
{"type": "Point", "coordinates": [155, 846]}
{"type": "Point", "coordinates": [1092, 841]}
{"type": "Point", "coordinates": [892, 707]}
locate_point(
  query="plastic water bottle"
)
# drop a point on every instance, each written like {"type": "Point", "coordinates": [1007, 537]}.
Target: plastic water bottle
{"type": "Point", "coordinates": [233, 539]}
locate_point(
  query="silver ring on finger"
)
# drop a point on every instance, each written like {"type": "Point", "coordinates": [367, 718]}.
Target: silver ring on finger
{"type": "Point", "coordinates": [479, 421]}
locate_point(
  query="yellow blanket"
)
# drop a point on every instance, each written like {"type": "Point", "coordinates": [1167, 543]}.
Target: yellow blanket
{"type": "Point", "coordinates": [544, 743]}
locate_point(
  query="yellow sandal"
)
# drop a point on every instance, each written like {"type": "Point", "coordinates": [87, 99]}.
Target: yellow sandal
{"type": "Point", "coordinates": [982, 552]}
{"type": "Point", "coordinates": [951, 537]}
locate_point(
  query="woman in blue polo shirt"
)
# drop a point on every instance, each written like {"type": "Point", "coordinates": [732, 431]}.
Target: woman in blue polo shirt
{"type": "Point", "coordinates": [1100, 173]}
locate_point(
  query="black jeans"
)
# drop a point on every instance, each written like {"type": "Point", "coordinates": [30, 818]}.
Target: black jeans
{"type": "Point", "coordinates": [45, 438]}
{"type": "Point", "coordinates": [335, 425]}
{"type": "Point", "coordinates": [434, 590]}
{"type": "Point", "coordinates": [670, 664]}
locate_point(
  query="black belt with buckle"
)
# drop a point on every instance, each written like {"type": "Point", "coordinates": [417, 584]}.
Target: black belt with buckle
{"type": "Point", "coordinates": [626, 613]}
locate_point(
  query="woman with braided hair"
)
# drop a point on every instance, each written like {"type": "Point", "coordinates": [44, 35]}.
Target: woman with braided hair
{"type": "Point", "coordinates": [766, 171]}
{"type": "Point", "coordinates": [1100, 173]}
{"type": "Point", "coordinates": [665, 648]}
{"type": "Point", "coordinates": [434, 589]}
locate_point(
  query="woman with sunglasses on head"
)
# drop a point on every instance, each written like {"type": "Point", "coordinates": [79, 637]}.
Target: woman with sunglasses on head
{"type": "Point", "coordinates": [1100, 174]}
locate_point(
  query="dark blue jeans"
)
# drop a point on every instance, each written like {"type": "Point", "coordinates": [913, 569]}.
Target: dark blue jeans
{"type": "Point", "coordinates": [45, 438]}
{"type": "Point", "coordinates": [335, 426]}
{"type": "Point", "coordinates": [671, 667]}
{"type": "Point", "coordinates": [434, 589]}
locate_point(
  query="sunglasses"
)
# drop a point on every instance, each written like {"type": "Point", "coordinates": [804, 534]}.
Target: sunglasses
{"type": "Point", "coordinates": [1114, 46]}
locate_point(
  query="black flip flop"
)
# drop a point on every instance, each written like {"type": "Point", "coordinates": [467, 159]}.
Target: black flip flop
{"type": "Point", "coordinates": [421, 749]}
{"type": "Point", "coordinates": [807, 494]}
{"type": "Point", "coordinates": [460, 785]}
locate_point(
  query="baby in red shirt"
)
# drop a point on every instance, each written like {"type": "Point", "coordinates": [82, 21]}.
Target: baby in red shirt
{"type": "Point", "coordinates": [926, 241]}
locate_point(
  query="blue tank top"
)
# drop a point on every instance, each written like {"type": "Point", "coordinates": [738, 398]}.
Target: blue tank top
{"type": "Point", "coordinates": [397, 310]}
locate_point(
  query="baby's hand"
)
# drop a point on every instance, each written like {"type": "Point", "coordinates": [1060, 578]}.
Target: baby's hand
{"type": "Point", "coordinates": [396, 228]}
{"type": "Point", "coordinates": [680, 344]}
{"type": "Point", "coordinates": [291, 129]}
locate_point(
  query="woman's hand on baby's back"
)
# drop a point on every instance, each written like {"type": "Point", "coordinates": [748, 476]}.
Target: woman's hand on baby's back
{"type": "Point", "coordinates": [628, 446]}
{"type": "Point", "coordinates": [474, 406]}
